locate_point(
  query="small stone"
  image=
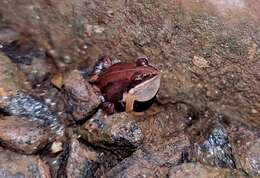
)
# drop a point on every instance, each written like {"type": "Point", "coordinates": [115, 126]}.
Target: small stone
{"type": "Point", "coordinates": [200, 62]}
{"type": "Point", "coordinates": [56, 147]}
{"type": "Point", "coordinates": [67, 59]}
{"type": "Point", "coordinates": [57, 80]}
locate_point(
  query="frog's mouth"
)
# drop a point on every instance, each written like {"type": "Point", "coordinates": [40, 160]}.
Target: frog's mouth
{"type": "Point", "coordinates": [146, 90]}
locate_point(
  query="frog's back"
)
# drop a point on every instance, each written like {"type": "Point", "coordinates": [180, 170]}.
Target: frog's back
{"type": "Point", "coordinates": [116, 73]}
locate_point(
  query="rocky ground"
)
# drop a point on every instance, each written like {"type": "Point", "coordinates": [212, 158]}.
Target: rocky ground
{"type": "Point", "coordinates": [204, 121]}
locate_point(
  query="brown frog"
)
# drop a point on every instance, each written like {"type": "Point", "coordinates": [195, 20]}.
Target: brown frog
{"type": "Point", "coordinates": [125, 83]}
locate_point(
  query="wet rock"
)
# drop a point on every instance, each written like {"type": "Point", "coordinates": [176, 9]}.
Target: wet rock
{"type": "Point", "coordinates": [216, 149]}
{"type": "Point", "coordinates": [29, 59]}
{"type": "Point", "coordinates": [246, 147]}
{"type": "Point", "coordinates": [13, 165]}
{"type": "Point", "coordinates": [194, 170]}
{"type": "Point", "coordinates": [24, 105]}
{"type": "Point", "coordinates": [23, 135]}
{"type": "Point", "coordinates": [11, 79]}
{"type": "Point", "coordinates": [153, 160]}
{"type": "Point", "coordinates": [8, 35]}
{"type": "Point", "coordinates": [114, 132]}
{"type": "Point", "coordinates": [83, 161]}
{"type": "Point", "coordinates": [79, 96]}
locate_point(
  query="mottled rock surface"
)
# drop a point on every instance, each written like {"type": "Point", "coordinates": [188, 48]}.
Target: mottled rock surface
{"type": "Point", "coordinates": [80, 97]}
{"type": "Point", "coordinates": [246, 148]}
{"type": "Point", "coordinates": [13, 165]}
{"type": "Point", "coordinates": [194, 170]}
{"type": "Point", "coordinates": [84, 161]}
{"type": "Point", "coordinates": [34, 109]}
{"type": "Point", "coordinates": [24, 135]}
{"type": "Point", "coordinates": [153, 160]}
{"type": "Point", "coordinates": [114, 132]}
{"type": "Point", "coordinates": [216, 149]}
{"type": "Point", "coordinates": [11, 79]}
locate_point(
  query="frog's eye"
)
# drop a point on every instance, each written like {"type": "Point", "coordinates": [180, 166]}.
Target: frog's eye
{"type": "Point", "coordinates": [142, 61]}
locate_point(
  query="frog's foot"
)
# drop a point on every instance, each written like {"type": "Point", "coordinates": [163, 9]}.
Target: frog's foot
{"type": "Point", "coordinates": [108, 107]}
{"type": "Point", "coordinates": [129, 101]}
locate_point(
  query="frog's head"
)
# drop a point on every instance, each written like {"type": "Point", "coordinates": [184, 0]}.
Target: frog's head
{"type": "Point", "coordinates": [145, 82]}
{"type": "Point", "coordinates": [144, 71]}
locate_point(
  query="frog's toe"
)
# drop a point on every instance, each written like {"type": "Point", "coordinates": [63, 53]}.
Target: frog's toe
{"type": "Point", "coordinates": [108, 107]}
{"type": "Point", "coordinates": [93, 78]}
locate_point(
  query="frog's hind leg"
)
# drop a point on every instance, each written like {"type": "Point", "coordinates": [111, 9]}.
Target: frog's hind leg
{"type": "Point", "coordinates": [129, 100]}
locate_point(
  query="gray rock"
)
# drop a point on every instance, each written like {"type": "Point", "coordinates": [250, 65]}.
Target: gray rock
{"type": "Point", "coordinates": [34, 109]}
{"type": "Point", "coordinates": [216, 149]}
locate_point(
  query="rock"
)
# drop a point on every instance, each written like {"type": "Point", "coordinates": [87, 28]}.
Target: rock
{"type": "Point", "coordinates": [216, 149]}
{"type": "Point", "coordinates": [11, 79]}
{"type": "Point", "coordinates": [24, 135]}
{"type": "Point", "coordinates": [30, 60]}
{"type": "Point", "coordinates": [56, 147]}
{"type": "Point", "coordinates": [83, 161]}
{"type": "Point", "coordinates": [34, 109]}
{"type": "Point", "coordinates": [200, 62]}
{"type": "Point", "coordinates": [8, 35]}
{"type": "Point", "coordinates": [79, 96]}
{"type": "Point", "coordinates": [246, 147]}
{"type": "Point", "coordinates": [153, 160]}
{"type": "Point", "coordinates": [194, 170]}
{"type": "Point", "coordinates": [13, 165]}
{"type": "Point", "coordinates": [211, 141]}
{"type": "Point", "coordinates": [114, 131]}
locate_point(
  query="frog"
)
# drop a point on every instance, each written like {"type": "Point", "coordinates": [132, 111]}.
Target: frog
{"type": "Point", "coordinates": [124, 83]}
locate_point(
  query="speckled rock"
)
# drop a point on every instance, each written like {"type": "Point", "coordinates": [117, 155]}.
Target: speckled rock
{"type": "Point", "coordinates": [153, 160]}
{"type": "Point", "coordinates": [33, 108]}
{"type": "Point", "coordinates": [31, 60]}
{"type": "Point", "coordinates": [114, 132]}
{"type": "Point", "coordinates": [13, 165]}
{"type": "Point", "coordinates": [83, 161]}
{"type": "Point", "coordinates": [11, 79]}
{"type": "Point", "coordinates": [216, 149]}
{"type": "Point", "coordinates": [246, 148]}
{"type": "Point", "coordinates": [80, 98]}
{"type": "Point", "coordinates": [194, 170]}
{"type": "Point", "coordinates": [23, 135]}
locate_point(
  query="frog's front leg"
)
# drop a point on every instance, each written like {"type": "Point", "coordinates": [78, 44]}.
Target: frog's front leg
{"type": "Point", "coordinates": [129, 101]}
